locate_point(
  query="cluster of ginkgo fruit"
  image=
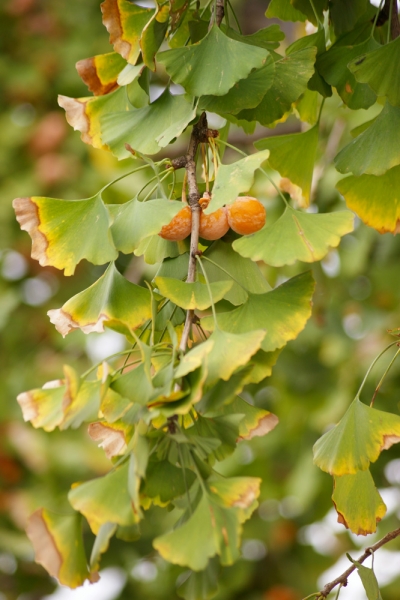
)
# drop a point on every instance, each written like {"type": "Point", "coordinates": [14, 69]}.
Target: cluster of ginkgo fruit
{"type": "Point", "coordinates": [246, 215]}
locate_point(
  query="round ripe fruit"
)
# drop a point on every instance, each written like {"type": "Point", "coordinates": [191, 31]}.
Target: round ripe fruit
{"type": "Point", "coordinates": [215, 225]}
{"type": "Point", "coordinates": [246, 215]}
{"type": "Point", "coordinates": [179, 228]}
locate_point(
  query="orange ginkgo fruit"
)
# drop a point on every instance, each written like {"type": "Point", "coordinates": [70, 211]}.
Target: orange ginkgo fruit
{"type": "Point", "coordinates": [214, 225]}
{"type": "Point", "coordinates": [246, 215]}
{"type": "Point", "coordinates": [179, 228]}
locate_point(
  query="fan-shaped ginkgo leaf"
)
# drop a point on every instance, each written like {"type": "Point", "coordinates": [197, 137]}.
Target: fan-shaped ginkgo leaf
{"type": "Point", "coordinates": [213, 65]}
{"type": "Point", "coordinates": [111, 300]}
{"type": "Point", "coordinates": [97, 501]}
{"type": "Point", "coordinates": [147, 129]}
{"type": "Point", "coordinates": [292, 74]}
{"type": "Point", "coordinates": [256, 421]}
{"type": "Point", "coordinates": [283, 313]}
{"type": "Point", "coordinates": [235, 178]}
{"type": "Point", "coordinates": [214, 527]}
{"type": "Point", "coordinates": [379, 70]}
{"type": "Point", "coordinates": [375, 150]}
{"type": "Point", "coordinates": [100, 73]}
{"type": "Point", "coordinates": [225, 353]}
{"type": "Point", "coordinates": [58, 544]}
{"type": "Point", "coordinates": [134, 221]}
{"type": "Point", "coordinates": [296, 236]}
{"type": "Point", "coordinates": [280, 9]}
{"type": "Point", "coordinates": [83, 114]}
{"type": "Point", "coordinates": [135, 385]}
{"type": "Point", "coordinates": [125, 22]}
{"type": "Point", "coordinates": [245, 273]}
{"type": "Point", "coordinates": [112, 437]}
{"type": "Point", "coordinates": [333, 66]}
{"type": "Point", "coordinates": [246, 93]}
{"type": "Point", "coordinates": [192, 295]}
{"type": "Point", "coordinates": [268, 37]}
{"type": "Point", "coordinates": [64, 232]}
{"type": "Point", "coordinates": [357, 440]}
{"type": "Point", "coordinates": [154, 249]}
{"type": "Point", "coordinates": [165, 481]}
{"type": "Point", "coordinates": [293, 156]}
{"type": "Point", "coordinates": [376, 200]}
{"type": "Point", "coordinates": [358, 503]}
{"type": "Point", "coordinates": [153, 35]}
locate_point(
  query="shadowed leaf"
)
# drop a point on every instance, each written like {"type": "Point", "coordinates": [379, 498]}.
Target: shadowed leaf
{"type": "Point", "coordinates": [376, 200]}
{"type": "Point", "coordinates": [198, 68]}
{"type": "Point", "coordinates": [293, 156]}
{"type": "Point", "coordinates": [153, 35]}
{"type": "Point", "coordinates": [296, 236]}
{"type": "Point", "coordinates": [164, 482]}
{"type": "Point", "coordinates": [111, 300]}
{"type": "Point", "coordinates": [375, 150]}
{"type": "Point", "coordinates": [379, 70]}
{"type": "Point", "coordinates": [292, 74]}
{"type": "Point", "coordinates": [64, 232]}
{"type": "Point", "coordinates": [357, 440]}
{"type": "Point", "coordinates": [358, 502]}
{"type": "Point", "coordinates": [202, 585]}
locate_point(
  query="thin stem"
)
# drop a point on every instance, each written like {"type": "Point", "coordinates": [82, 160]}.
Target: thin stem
{"type": "Point", "coordinates": [209, 290]}
{"type": "Point", "coordinates": [314, 595]}
{"type": "Point", "coordinates": [342, 579]}
{"type": "Point", "coordinates": [338, 592]}
{"type": "Point", "coordinates": [228, 2]}
{"type": "Point", "coordinates": [173, 185]}
{"type": "Point", "coordinates": [383, 377]}
{"type": "Point", "coordinates": [227, 15]}
{"type": "Point", "coordinates": [170, 319]}
{"type": "Point", "coordinates": [390, 20]}
{"type": "Point", "coordinates": [222, 269]}
{"type": "Point", "coordinates": [157, 185]}
{"type": "Point", "coordinates": [184, 478]}
{"type": "Point", "coordinates": [376, 18]}
{"type": "Point", "coordinates": [372, 366]}
{"type": "Point", "coordinates": [262, 170]}
{"type": "Point", "coordinates": [316, 15]}
{"type": "Point", "coordinates": [320, 111]}
{"type": "Point", "coordinates": [123, 176]}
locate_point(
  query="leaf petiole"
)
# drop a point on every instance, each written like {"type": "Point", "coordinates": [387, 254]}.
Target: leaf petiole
{"type": "Point", "coordinates": [372, 366]}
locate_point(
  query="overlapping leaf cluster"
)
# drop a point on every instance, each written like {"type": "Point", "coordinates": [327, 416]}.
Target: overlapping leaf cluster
{"type": "Point", "coordinates": [166, 416]}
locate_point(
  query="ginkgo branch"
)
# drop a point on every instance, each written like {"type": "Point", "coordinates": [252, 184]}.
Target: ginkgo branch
{"type": "Point", "coordinates": [342, 579]}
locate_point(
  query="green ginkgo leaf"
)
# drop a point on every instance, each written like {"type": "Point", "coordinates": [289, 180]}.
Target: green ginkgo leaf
{"type": "Point", "coordinates": [146, 129]}
{"type": "Point", "coordinates": [293, 156]}
{"type": "Point", "coordinates": [344, 15]}
{"type": "Point", "coordinates": [134, 221]}
{"type": "Point", "coordinates": [283, 313]}
{"type": "Point", "coordinates": [281, 9]}
{"type": "Point", "coordinates": [153, 35]}
{"type": "Point", "coordinates": [124, 22]}
{"type": "Point", "coordinates": [84, 114]}
{"type": "Point", "coordinates": [262, 363]}
{"type": "Point", "coordinates": [292, 74]}
{"type": "Point", "coordinates": [214, 527]}
{"type": "Point", "coordinates": [369, 581]}
{"type": "Point", "coordinates": [97, 501]}
{"type": "Point", "coordinates": [246, 93]}
{"type": "Point", "coordinates": [376, 150]}
{"type": "Point", "coordinates": [164, 482]}
{"type": "Point", "coordinates": [100, 73]}
{"type": "Point", "coordinates": [376, 200]}
{"type": "Point", "coordinates": [312, 9]}
{"type": "Point", "coordinates": [43, 406]}
{"type": "Point", "coordinates": [64, 232]}
{"type": "Point", "coordinates": [255, 422]}
{"type": "Point", "coordinates": [358, 503]}
{"type": "Point", "coordinates": [203, 584]}
{"type": "Point", "coordinates": [333, 66]}
{"type": "Point", "coordinates": [198, 68]}
{"type": "Point", "coordinates": [378, 68]}
{"type": "Point", "coordinates": [177, 11]}
{"type": "Point", "coordinates": [357, 440]}
{"type": "Point", "coordinates": [296, 236]}
{"type": "Point", "coordinates": [192, 295]}
{"type": "Point", "coordinates": [111, 300]}
{"type": "Point", "coordinates": [155, 249]}
{"type": "Point", "coordinates": [224, 353]}
{"type": "Point", "coordinates": [317, 39]}
{"type": "Point", "coordinates": [235, 178]}
{"type": "Point", "coordinates": [58, 544]}
{"type": "Point", "coordinates": [135, 385]}
{"type": "Point", "coordinates": [223, 392]}
{"type": "Point", "coordinates": [245, 273]}
{"type": "Point", "coordinates": [224, 429]}
{"type": "Point", "coordinates": [268, 37]}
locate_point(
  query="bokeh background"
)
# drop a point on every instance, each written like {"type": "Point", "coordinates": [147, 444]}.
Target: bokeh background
{"type": "Point", "coordinates": [293, 544]}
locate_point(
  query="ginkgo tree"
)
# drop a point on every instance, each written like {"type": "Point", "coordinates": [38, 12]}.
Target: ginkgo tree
{"type": "Point", "coordinates": [169, 408]}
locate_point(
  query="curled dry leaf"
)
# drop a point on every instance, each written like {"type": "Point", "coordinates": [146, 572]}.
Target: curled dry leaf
{"type": "Point", "coordinates": [265, 424]}
{"type": "Point", "coordinates": [28, 218]}
{"type": "Point", "coordinates": [75, 114]}
{"type": "Point", "coordinates": [111, 439]}
{"type": "Point", "coordinates": [64, 323]}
